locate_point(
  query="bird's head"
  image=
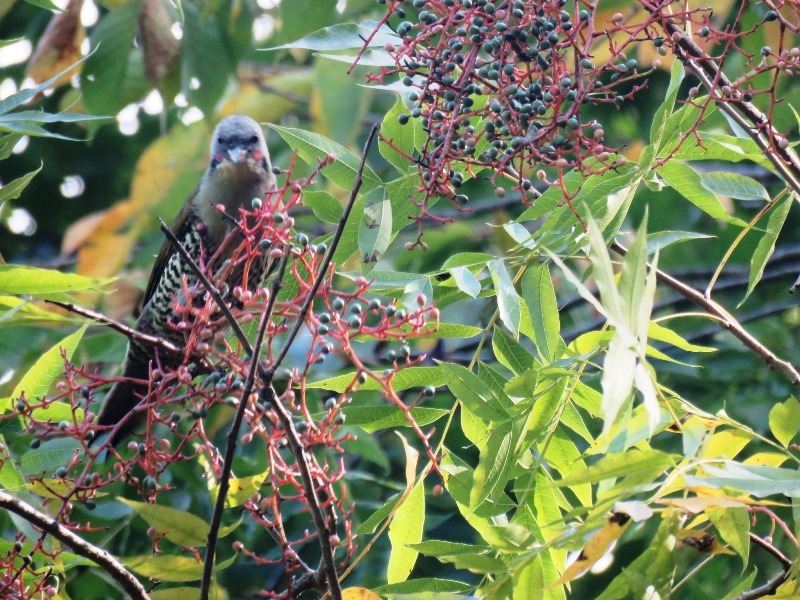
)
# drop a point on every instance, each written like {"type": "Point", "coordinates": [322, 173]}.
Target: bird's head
{"type": "Point", "coordinates": [240, 141]}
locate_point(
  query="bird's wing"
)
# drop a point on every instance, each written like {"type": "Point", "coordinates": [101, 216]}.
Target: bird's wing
{"type": "Point", "coordinates": [179, 227]}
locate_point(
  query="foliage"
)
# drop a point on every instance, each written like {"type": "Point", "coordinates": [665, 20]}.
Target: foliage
{"type": "Point", "coordinates": [567, 402]}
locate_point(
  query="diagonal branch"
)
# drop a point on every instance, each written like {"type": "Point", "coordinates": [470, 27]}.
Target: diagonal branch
{"type": "Point", "coordinates": [233, 433]}
{"type": "Point", "coordinates": [726, 320]}
{"type": "Point", "coordinates": [771, 587]}
{"type": "Point", "coordinates": [745, 114]}
{"type": "Point", "coordinates": [130, 332]}
{"type": "Point", "coordinates": [80, 546]}
{"type": "Point", "coordinates": [328, 563]}
{"type": "Point", "coordinates": [210, 287]}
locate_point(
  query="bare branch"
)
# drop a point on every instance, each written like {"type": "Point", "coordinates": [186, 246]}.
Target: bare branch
{"type": "Point", "coordinates": [725, 320]}
{"type": "Point", "coordinates": [210, 287]}
{"type": "Point", "coordinates": [233, 433]}
{"type": "Point", "coordinates": [80, 546]}
{"type": "Point", "coordinates": [130, 332]}
{"type": "Point", "coordinates": [769, 588]}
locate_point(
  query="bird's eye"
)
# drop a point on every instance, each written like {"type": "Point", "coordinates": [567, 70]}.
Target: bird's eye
{"type": "Point", "coordinates": [254, 139]}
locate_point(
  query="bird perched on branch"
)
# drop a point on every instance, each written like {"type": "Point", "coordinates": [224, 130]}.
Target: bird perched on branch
{"type": "Point", "coordinates": [239, 171]}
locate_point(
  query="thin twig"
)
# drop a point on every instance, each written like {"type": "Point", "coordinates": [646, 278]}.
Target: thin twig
{"type": "Point", "coordinates": [80, 546]}
{"type": "Point", "coordinates": [769, 588]}
{"type": "Point", "coordinates": [746, 114]}
{"type": "Point", "coordinates": [323, 268]}
{"type": "Point", "coordinates": [130, 332]}
{"type": "Point", "coordinates": [210, 287]}
{"type": "Point", "coordinates": [328, 563]}
{"type": "Point", "coordinates": [268, 394]}
{"type": "Point", "coordinates": [786, 563]}
{"type": "Point", "coordinates": [233, 433]}
{"type": "Point", "coordinates": [726, 320]}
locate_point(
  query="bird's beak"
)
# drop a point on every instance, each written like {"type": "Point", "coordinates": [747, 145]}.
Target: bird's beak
{"type": "Point", "coordinates": [237, 154]}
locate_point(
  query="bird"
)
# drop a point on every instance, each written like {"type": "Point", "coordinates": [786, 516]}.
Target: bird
{"type": "Point", "coordinates": [239, 171]}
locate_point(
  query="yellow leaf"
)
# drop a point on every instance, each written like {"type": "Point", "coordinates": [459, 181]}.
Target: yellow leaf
{"type": "Point", "coordinates": [59, 47]}
{"type": "Point", "coordinates": [358, 593]}
{"type": "Point", "coordinates": [726, 444]}
{"type": "Point", "coordinates": [704, 542]}
{"type": "Point", "coordinates": [766, 459]}
{"type": "Point", "coordinates": [596, 547]}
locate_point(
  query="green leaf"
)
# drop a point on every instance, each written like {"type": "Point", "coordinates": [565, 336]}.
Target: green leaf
{"type": "Point", "coordinates": [463, 556]}
{"type": "Point", "coordinates": [735, 186]}
{"type": "Point", "coordinates": [313, 147]}
{"type": "Point", "coordinates": [406, 528]}
{"type": "Point", "coordinates": [720, 147]}
{"type": "Point", "coordinates": [50, 455]}
{"type": "Point", "coordinates": [375, 230]}
{"type": "Point", "coordinates": [7, 144]}
{"type": "Point", "coordinates": [46, 4]}
{"type": "Point", "coordinates": [632, 285]}
{"type": "Point", "coordinates": [662, 112]}
{"type": "Point", "coordinates": [56, 412]}
{"type": "Point", "coordinates": [660, 333]}
{"type": "Point", "coordinates": [315, 15]}
{"type": "Point", "coordinates": [204, 57]}
{"type": "Point", "coordinates": [760, 481]}
{"type": "Point", "coordinates": [473, 393]}
{"type": "Point", "coordinates": [375, 519]}
{"type": "Point", "coordinates": [662, 239]}
{"type": "Point", "coordinates": [105, 72]}
{"type": "Point", "coordinates": [495, 462]}
{"type": "Point", "coordinates": [342, 37]}
{"type": "Point", "coordinates": [44, 283]}
{"type": "Point", "coordinates": [38, 116]}
{"type": "Point", "coordinates": [784, 420]}
{"type": "Point", "coordinates": [603, 273]}
{"type": "Point", "coordinates": [467, 259]}
{"type": "Point", "coordinates": [510, 353]}
{"type": "Point", "coordinates": [324, 205]}
{"type": "Point", "coordinates": [443, 331]}
{"type": "Point", "coordinates": [10, 477]}
{"type": "Point", "coordinates": [743, 586]}
{"type": "Point", "coordinates": [766, 245]}
{"type": "Point", "coordinates": [181, 527]}
{"type": "Point", "coordinates": [507, 298]}
{"type": "Point", "coordinates": [375, 418]}
{"type": "Point", "coordinates": [624, 464]}
{"type": "Point", "coordinates": [540, 297]}
{"type": "Point", "coordinates": [403, 138]}
{"type": "Point", "coordinates": [466, 281]}
{"type": "Point", "coordinates": [13, 189]}
{"type": "Point", "coordinates": [733, 525]}
{"type": "Point", "coordinates": [47, 367]}
{"type": "Point", "coordinates": [423, 585]}
{"type": "Point", "coordinates": [21, 97]}
{"type": "Point", "coordinates": [240, 491]}
{"type": "Point", "coordinates": [688, 183]}
{"type": "Point", "coordinates": [165, 567]}
{"type": "Point", "coordinates": [411, 377]}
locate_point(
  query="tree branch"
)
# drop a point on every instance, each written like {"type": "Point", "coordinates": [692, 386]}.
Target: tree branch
{"type": "Point", "coordinates": [328, 563]}
{"type": "Point", "coordinates": [80, 546]}
{"type": "Point", "coordinates": [769, 588]}
{"type": "Point", "coordinates": [130, 332]}
{"type": "Point", "coordinates": [210, 287]}
{"type": "Point", "coordinates": [233, 433]}
{"type": "Point", "coordinates": [726, 320]}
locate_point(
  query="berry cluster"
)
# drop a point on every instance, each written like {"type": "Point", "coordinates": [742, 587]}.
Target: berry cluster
{"type": "Point", "coordinates": [213, 379]}
{"type": "Point", "coordinates": [502, 85]}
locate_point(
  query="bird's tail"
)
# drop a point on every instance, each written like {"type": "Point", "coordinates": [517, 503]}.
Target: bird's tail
{"type": "Point", "coordinates": [122, 398]}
